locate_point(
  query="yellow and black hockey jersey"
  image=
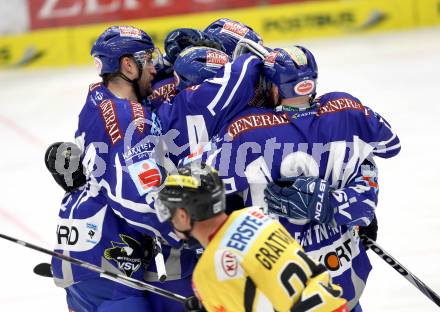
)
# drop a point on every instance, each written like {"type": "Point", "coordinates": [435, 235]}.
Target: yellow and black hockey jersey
{"type": "Point", "coordinates": [253, 264]}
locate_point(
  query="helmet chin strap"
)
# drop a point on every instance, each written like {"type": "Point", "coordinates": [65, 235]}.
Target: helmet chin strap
{"type": "Point", "coordinates": [134, 82]}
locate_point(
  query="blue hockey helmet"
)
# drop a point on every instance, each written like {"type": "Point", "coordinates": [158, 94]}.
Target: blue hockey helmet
{"type": "Point", "coordinates": [196, 64]}
{"type": "Point", "coordinates": [181, 38]}
{"type": "Point", "coordinates": [118, 41]}
{"type": "Point", "coordinates": [230, 32]}
{"type": "Point", "coordinates": [293, 71]}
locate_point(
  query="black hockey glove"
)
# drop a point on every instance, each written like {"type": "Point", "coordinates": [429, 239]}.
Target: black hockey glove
{"type": "Point", "coordinates": [192, 304]}
{"type": "Point", "coordinates": [62, 159]}
{"type": "Point", "coordinates": [370, 230]}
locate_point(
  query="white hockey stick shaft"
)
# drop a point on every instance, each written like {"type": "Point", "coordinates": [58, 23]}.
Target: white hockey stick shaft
{"type": "Point", "coordinates": [158, 258]}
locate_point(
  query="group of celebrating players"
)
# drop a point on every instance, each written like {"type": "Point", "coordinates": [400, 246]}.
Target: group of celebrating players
{"type": "Point", "coordinates": [219, 155]}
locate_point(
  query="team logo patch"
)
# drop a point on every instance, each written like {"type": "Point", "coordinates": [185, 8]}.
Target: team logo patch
{"type": "Point", "coordinates": [145, 175]}
{"type": "Point", "coordinates": [127, 254]}
{"type": "Point", "coordinates": [235, 29]}
{"type": "Point", "coordinates": [216, 59]}
{"type": "Point", "coordinates": [304, 87]}
{"type": "Point", "coordinates": [128, 31]}
{"type": "Point", "coordinates": [250, 122]}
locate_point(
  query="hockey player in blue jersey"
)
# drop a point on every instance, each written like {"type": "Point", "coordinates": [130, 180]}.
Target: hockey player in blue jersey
{"type": "Point", "coordinates": [230, 32]}
{"type": "Point", "coordinates": [321, 151]}
{"type": "Point", "coordinates": [110, 221]}
{"type": "Point", "coordinates": [212, 90]}
{"type": "Point", "coordinates": [177, 40]}
{"type": "Point", "coordinates": [222, 34]}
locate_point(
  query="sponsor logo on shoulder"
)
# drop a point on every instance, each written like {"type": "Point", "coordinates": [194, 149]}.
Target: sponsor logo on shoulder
{"type": "Point", "coordinates": [341, 104]}
{"type": "Point", "coordinates": [94, 86]}
{"type": "Point", "coordinates": [138, 115]}
{"type": "Point", "coordinates": [250, 122]}
{"type": "Point", "coordinates": [245, 230]}
{"type": "Point", "coordinates": [165, 92]}
{"type": "Point", "coordinates": [111, 123]}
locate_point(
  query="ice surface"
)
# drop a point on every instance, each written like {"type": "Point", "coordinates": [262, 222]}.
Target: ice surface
{"type": "Point", "coordinates": [397, 74]}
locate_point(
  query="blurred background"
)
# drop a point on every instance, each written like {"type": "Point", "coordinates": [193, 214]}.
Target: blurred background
{"type": "Point", "coordinates": [387, 53]}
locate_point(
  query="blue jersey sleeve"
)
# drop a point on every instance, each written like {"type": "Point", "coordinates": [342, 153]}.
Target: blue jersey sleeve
{"type": "Point", "coordinates": [344, 109]}
{"type": "Point", "coordinates": [119, 156]}
{"type": "Point", "coordinates": [356, 202]}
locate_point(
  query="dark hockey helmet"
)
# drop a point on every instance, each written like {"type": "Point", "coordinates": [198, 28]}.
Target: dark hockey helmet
{"type": "Point", "coordinates": [196, 64]}
{"type": "Point", "coordinates": [195, 187]}
{"type": "Point", "coordinates": [181, 38]}
{"type": "Point", "coordinates": [230, 32]}
{"type": "Point", "coordinates": [118, 41]}
{"type": "Point", "coordinates": [293, 71]}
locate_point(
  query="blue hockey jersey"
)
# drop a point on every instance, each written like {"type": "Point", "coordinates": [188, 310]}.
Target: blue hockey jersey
{"type": "Point", "coordinates": [197, 113]}
{"type": "Point", "coordinates": [335, 140]}
{"type": "Point", "coordinates": [104, 222]}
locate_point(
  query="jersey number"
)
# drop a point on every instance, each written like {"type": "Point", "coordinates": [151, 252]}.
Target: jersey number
{"type": "Point", "coordinates": [292, 270]}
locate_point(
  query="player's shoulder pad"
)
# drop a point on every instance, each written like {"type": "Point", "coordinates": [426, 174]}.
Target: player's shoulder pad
{"type": "Point", "coordinates": [336, 102]}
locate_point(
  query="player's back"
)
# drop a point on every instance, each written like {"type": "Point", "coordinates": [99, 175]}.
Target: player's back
{"type": "Point", "coordinates": [249, 265]}
{"type": "Point", "coordinates": [330, 141]}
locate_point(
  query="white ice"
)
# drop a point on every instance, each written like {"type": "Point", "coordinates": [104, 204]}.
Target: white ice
{"type": "Point", "coordinates": [396, 74]}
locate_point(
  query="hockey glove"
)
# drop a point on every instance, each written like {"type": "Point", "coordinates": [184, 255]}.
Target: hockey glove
{"type": "Point", "coordinates": [246, 46]}
{"type": "Point", "coordinates": [192, 304]}
{"type": "Point", "coordinates": [63, 162]}
{"type": "Point", "coordinates": [301, 198]}
{"type": "Point", "coordinates": [370, 230]}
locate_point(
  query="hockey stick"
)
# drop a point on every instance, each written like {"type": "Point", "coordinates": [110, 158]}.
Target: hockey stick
{"type": "Point", "coordinates": [45, 269]}
{"type": "Point", "coordinates": [128, 281]}
{"type": "Point", "coordinates": [428, 292]}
